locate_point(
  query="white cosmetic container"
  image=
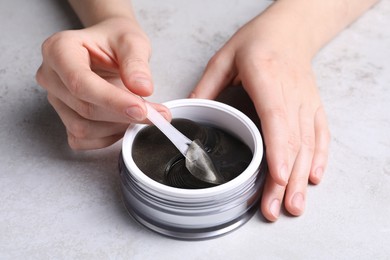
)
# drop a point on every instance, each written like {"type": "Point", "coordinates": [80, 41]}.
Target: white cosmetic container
{"type": "Point", "coordinates": [195, 214]}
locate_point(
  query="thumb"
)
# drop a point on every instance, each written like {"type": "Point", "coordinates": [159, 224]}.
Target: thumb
{"type": "Point", "coordinates": [133, 55]}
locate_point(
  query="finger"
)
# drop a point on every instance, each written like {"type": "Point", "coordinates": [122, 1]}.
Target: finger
{"type": "Point", "coordinates": [133, 53]}
{"type": "Point", "coordinates": [267, 96]}
{"type": "Point", "coordinates": [322, 140]}
{"type": "Point", "coordinates": [78, 141]}
{"type": "Point", "coordinates": [163, 110]}
{"type": "Point", "coordinates": [297, 185]}
{"type": "Point", "coordinates": [71, 62]}
{"type": "Point", "coordinates": [272, 199]}
{"type": "Point", "coordinates": [82, 128]}
{"type": "Point", "coordinates": [218, 74]}
{"type": "Point", "coordinates": [48, 79]}
{"type": "Point", "coordinates": [90, 144]}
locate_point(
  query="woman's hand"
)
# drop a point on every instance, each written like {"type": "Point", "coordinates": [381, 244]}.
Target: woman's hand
{"type": "Point", "coordinates": [273, 64]}
{"type": "Point", "coordinates": [94, 78]}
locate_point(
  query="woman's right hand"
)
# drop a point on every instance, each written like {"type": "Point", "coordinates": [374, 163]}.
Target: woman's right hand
{"type": "Point", "coordinates": [94, 77]}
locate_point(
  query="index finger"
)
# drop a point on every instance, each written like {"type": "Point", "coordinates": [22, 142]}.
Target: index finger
{"type": "Point", "coordinates": [267, 97]}
{"type": "Point", "coordinates": [71, 61]}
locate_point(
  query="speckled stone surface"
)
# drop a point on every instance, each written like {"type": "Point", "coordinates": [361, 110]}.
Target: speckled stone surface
{"type": "Point", "coordinates": [59, 204]}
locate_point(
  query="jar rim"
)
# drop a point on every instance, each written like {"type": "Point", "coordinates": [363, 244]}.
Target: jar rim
{"type": "Point", "coordinates": [159, 188]}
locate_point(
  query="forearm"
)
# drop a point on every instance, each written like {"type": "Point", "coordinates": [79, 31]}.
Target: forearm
{"type": "Point", "coordinates": [316, 22]}
{"type": "Point", "coordinates": [91, 12]}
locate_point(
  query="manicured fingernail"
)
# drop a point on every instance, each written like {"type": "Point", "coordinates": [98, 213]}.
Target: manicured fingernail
{"type": "Point", "coordinates": [298, 201]}
{"type": "Point", "coordinates": [142, 82]}
{"type": "Point", "coordinates": [135, 113]}
{"type": "Point", "coordinates": [283, 173]}
{"type": "Point", "coordinates": [274, 208]}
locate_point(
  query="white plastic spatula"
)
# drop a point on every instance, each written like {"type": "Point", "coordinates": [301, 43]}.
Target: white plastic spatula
{"type": "Point", "coordinates": [175, 136]}
{"type": "Point", "coordinates": [198, 163]}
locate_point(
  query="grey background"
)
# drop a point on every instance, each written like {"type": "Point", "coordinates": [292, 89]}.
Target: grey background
{"type": "Point", "coordinates": [56, 203]}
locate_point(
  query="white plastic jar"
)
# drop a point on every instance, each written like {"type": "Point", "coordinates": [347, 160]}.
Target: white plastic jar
{"type": "Point", "coordinates": [194, 214]}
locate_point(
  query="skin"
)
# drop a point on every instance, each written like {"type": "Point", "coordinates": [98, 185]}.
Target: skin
{"type": "Point", "coordinates": [94, 78]}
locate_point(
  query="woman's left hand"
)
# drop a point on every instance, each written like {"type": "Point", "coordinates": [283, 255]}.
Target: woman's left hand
{"type": "Point", "coordinates": [273, 64]}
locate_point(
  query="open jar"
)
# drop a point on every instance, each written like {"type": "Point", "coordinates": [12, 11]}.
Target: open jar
{"type": "Point", "coordinates": [194, 214]}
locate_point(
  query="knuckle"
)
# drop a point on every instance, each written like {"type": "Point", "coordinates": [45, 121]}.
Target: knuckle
{"type": "Point", "coordinates": [308, 141]}
{"type": "Point", "coordinates": [134, 39]}
{"type": "Point", "coordinates": [55, 41]}
{"type": "Point", "coordinates": [40, 77]}
{"type": "Point", "coordinates": [299, 178]}
{"type": "Point", "coordinates": [74, 83]}
{"type": "Point", "coordinates": [79, 129]}
{"type": "Point", "coordinates": [86, 110]}
{"type": "Point", "coordinates": [294, 143]}
{"type": "Point", "coordinates": [111, 102]}
{"type": "Point", "coordinates": [134, 62]}
{"type": "Point", "coordinates": [216, 60]}
{"type": "Point", "coordinates": [73, 143]}
{"type": "Point", "coordinates": [48, 44]}
{"type": "Point", "coordinates": [136, 43]}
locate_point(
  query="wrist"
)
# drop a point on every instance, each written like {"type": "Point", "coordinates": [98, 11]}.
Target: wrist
{"type": "Point", "coordinates": [312, 24]}
{"type": "Point", "coordinates": [284, 35]}
{"type": "Point", "coordinates": [289, 31]}
{"type": "Point", "coordinates": [91, 12]}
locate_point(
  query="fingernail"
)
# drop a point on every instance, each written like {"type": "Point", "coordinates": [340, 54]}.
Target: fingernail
{"type": "Point", "coordinates": [192, 95]}
{"type": "Point", "coordinates": [283, 173]}
{"type": "Point", "coordinates": [142, 82]}
{"type": "Point", "coordinates": [165, 115]}
{"type": "Point", "coordinates": [275, 208]}
{"type": "Point", "coordinates": [135, 113]}
{"type": "Point", "coordinates": [298, 201]}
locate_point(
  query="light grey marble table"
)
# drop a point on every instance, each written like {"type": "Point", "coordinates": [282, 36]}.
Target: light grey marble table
{"type": "Point", "coordinates": [59, 204]}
